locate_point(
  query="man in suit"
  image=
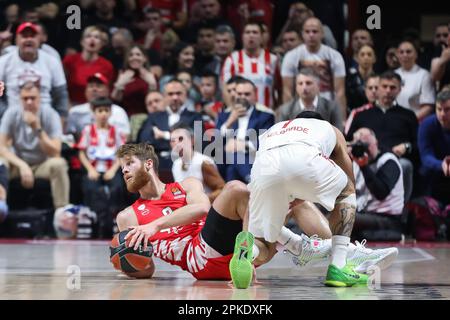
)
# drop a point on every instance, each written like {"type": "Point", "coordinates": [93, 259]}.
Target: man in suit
{"type": "Point", "coordinates": [308, 90]}
{"type": "Point", "coordinates": [156, 129]}
{"type": "Point", "coordinates": [240, 126]}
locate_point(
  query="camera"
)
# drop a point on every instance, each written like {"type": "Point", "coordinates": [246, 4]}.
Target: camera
{"type": "Point", "coordinates": [359, 148]}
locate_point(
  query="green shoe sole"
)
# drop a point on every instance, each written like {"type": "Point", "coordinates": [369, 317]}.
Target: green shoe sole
{"type": "Point", "coordinates": [241, 268]}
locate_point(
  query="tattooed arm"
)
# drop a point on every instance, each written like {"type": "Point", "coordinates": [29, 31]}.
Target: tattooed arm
{"type": "Point", "coordinates": [342, 217]}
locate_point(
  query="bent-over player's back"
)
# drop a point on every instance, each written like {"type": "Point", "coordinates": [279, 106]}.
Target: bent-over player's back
{"type": "Point", "coordinates": [313, 132]}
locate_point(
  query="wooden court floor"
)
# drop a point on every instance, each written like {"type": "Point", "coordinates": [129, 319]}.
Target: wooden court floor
{"type": "Point", "coordinates": [49, 270]}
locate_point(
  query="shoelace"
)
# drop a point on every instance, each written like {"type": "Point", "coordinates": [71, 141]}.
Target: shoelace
{"type": "Point", "coordinates": [361, 246]}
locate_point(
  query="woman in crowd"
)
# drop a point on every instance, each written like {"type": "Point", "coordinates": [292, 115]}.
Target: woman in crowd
{"type": "Point", "coordinates": [357, 77]}
{"type": "Point", "coordinates": [417, 91]}
{"type": "Point", "coordinates": [134, 82]}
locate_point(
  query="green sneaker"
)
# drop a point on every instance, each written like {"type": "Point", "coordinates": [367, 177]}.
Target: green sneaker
{"type": "Point", "coordinates": [344, 277]}
{"type": "Point", "coordinates": [241, 268]}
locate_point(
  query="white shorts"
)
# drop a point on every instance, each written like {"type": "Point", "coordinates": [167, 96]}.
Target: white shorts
{"type": "Point", "coordinates": [283, 174]}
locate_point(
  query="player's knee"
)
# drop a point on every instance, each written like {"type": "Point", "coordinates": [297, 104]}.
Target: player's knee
{"type": "Point", "coordinates": [236, 188]}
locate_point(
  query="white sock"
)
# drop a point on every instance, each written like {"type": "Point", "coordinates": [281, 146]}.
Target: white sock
{"type": "Point", "coordinates": [290, 240]}
{"type": "Point", "coordinates": [339, 250]}
{"type": "Point", "coordinates": [255, 251]}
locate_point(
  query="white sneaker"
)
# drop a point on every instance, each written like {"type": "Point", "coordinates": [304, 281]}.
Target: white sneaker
{"type": "Point", "coordinates": [363, 258]}
{"type": "Point", "coordinates": [313, 249]}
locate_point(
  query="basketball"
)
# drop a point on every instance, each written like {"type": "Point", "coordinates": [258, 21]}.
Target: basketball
{"type": "Point", "coordinates": [134, 263]}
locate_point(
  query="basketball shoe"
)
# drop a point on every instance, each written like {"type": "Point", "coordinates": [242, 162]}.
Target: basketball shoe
{"type": "Point", "coordinates": [241, 267]}
{"type": "Point", "coordinates": [344, 277]}
{"type": "Point", "coordinates": [315, 249]}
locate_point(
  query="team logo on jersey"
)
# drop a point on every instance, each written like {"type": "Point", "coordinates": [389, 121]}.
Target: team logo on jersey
{"type": "Point", "coordinates": [143, 210]}
{"type": "Point", "coordinates": [175, 191]}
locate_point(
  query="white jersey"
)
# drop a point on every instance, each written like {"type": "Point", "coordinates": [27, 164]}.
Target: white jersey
{"type": "Point", "coordinates": [312, 132]}
{"type": "Point", "coordinates": [193, 169]}
{"type": "Point", "coordinates": [262, 70]}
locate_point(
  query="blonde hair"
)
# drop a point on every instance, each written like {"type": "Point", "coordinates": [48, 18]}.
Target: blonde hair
{"type": "Point", "coordinates": [143, 151]}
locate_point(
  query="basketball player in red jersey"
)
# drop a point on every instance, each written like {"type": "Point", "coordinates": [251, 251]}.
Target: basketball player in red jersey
{"type": "Point", "coordinates": [178, 219]}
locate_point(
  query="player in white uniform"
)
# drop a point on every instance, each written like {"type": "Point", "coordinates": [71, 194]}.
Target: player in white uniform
{"type": "Point", "coordinates": [304, 159]}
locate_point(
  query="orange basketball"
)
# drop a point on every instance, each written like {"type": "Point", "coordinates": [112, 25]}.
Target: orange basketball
{"type": "Point", "coordinates": [134, 263]}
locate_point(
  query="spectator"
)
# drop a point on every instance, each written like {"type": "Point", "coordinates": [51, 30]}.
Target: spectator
{"type": "Point", "coordinates": [224, 44]}
{"type": "Point", "coordinates": [325, 60]}
{"type": "Point", "coordinates": [104, 16]}
{"type": "Point", "coordinates": [441, 33]}
{"type": "Point", "coordinates": [173, 13]}
{"type": "Point", "coordinates": [379, 189]}
{"type": "Point", "coordinates": [440, 67]}
{"type": "Point", "coordinates": [256, 64]}
{"type": "Point", "coordinates": [209, 93]}
{"type": "Point", "coordinates": [191, 163]}
{"type": "Point", "coordinates": [434, 148]}
{"type": "Point", "coordinates": [290, 39]}
{"type": "Point", "coordinates": [28, 63]}
{"type": "Point", "coordinates": [357, 77]}
{"type": "Point", "coordinates": [240, 12]}
{"type": "Point", "coordinates": [9, 22]}
{"type": "Point", "coordinates": [134, 81]}
{"type": "Point", "coordinates": [183, 58]}
{"type": "Point", "coordinates": [298, 14]}
{"type": "Point", "coordinates": [417, 91]}
{"type": "Point", "coordinates": [360, 37]}
{"type": "Point", "coordinates": [154, 102]}
{"type": "Point", "coordinates": [240, 125]}
{"type": "Point", "coordinates": [83, 114]}
{"type": "Point", "coordinates": [307, 87]}
{"type": "Point", "coordinates": [151, 29]}
{"type": "Point", "coordinates": [390, 59]}
{"type": "Point", "coordinates": [80, 66]}
{"type": "Point", "coordinates": [102, 184]}
{"type": "Point", "coordinates": [204, 46]}
{"type": "Point", "coordinates": [229, 91]}
{"type": "Point", "coordinates": [121, 42]}
{"type": "Point", "coordinates": [35, 131]}
{"type": "Point", "coordinates": [43, 37]}
{"type": "Point", "coordinates": [186, 78]}
{"type": "Point", "coordinates": [394, 125]}
{"type": "Point", "coordinates": [370, 90]}
{"type": "Point", "coordinates": [155, 129]}
{"type": "Point", "coordinates": [210, 14]}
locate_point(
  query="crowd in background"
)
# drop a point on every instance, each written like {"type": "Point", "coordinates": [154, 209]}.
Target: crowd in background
{"type": "Point", "coordinates": [185, 75]}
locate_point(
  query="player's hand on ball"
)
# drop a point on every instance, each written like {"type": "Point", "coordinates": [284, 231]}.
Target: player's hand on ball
{"type": "Point", "coordinates": [139, 234]}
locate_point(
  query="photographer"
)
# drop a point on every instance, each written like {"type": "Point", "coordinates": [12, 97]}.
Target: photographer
{"type": "Point", "coordinates": [235, 123]}
{"type": "Point", "coordinates": [379, 188]}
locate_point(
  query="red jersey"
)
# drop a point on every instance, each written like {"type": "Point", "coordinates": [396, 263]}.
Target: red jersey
{"type": "Point", "coordinates": [78, 71]}
{"type": "Point", "coordinates": [183, 245]}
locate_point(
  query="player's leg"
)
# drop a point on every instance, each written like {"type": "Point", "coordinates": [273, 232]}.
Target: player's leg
{"type": "Point", "coordinates": [231, 208]}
